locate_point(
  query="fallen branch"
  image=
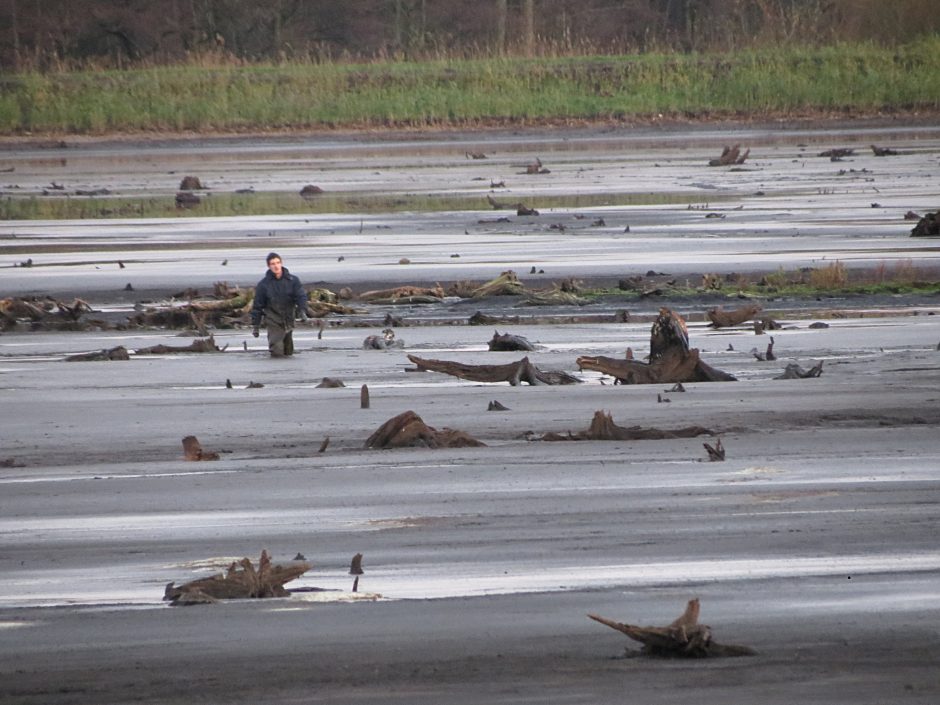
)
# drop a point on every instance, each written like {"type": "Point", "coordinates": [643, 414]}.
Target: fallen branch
{"type": "Point", "coordinates": [502, 342]}
{"type": "Point", "coordinates": [192, 450]}
{"type": "Point", "coordinates": [684, 637]}
{"type": "Point", "coordinates": [514, 372]}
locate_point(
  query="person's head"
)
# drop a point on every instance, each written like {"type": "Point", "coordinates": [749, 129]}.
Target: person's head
{"type": "Point", "coordinates": [274, 264]}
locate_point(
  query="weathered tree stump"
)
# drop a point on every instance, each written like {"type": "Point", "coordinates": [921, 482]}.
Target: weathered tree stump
{"type": "Point", "coordinates": [515, 373]}
{"type": "Point", "coordinates": [672, 367]}
{"type": "Point", "coordinates": [603, 428]}
{"type": "Point", "coordinates": [716, 453]}
{"type": "Point", "coordinates": [409, 430]}
{"type": "Point", "coordinates": [928, 226]}
{"type": "Point", "coordinates": [502, 342]}
{"type": "Point", "coordinates": [191, 183]}
{"type": "Point", "coordinates": [192, 450]}
{"type": "Point", "coordinates": [684, 637]}
{"type": "Point", "coordinates": [671, 359]}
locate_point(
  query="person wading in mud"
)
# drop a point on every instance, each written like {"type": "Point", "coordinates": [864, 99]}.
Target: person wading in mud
{"type": "Point", "coordinates": [278, 298]}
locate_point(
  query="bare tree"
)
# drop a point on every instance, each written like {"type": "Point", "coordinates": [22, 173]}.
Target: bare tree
{"type": "Point", "coordinates": [528, 23]}
{"type": "Point", "coordinates": [502, 12]}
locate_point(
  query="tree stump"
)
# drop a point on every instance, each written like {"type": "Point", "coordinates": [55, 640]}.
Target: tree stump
{"type": "Point", "coordinates": [725, 319]}
{"type": "Point", "coordinates": [192, 450]}
{"type": "Point", "coordinates": [515, 373]}
{"type": "Point", "coordinates": [409, 430]}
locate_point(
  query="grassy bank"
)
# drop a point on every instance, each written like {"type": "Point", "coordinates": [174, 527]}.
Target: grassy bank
{"type": "Point", "coordinates": [861, 78]}
{"type": "Point", "coordinates": [281, 203]}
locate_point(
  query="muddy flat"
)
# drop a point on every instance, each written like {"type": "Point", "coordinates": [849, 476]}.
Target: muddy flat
{"type": "Point", "coordinates": [814, 542]}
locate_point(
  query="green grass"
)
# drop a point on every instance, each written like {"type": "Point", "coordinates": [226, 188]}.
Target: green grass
{"type": "Point", "coordinates": [276, 203]}
{"type": "Point", "coordinates": [856, 77]}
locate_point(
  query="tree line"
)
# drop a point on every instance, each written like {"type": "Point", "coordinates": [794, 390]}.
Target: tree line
{"type": "Point", "coordinates": [50, 34]}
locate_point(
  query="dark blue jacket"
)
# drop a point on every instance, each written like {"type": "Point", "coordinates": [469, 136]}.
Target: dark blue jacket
{"type": "Point", "coordinates": [278, 299]}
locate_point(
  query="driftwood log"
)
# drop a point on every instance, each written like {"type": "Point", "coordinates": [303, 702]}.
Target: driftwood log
{"type": "Point", "coordinates": [116, 353]}
{"type": "Point", "coordinates": [514, 372]}
{"type": "Point", "coordinates": [603, 428]}
{"type": "Point", "coordinates": [684, 637]}
{"type": "Point", "coordinates": [408, 430]}
{"type": "Point", "coordinates": [241, 580]}
{"type": "Point", "coordinates": [720, 318]}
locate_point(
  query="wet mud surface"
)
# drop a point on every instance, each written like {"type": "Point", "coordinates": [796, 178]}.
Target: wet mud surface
{"type": "Point", "coordinates": [813, 543]}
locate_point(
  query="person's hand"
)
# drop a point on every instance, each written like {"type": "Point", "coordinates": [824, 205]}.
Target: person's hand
{"type": "Point", "coordinates": [255, 331]}
{"type": "Point", "coordinates": [302, 317]}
